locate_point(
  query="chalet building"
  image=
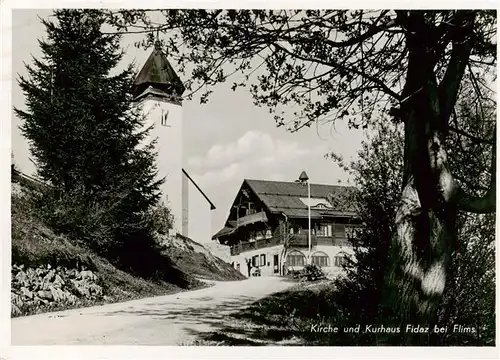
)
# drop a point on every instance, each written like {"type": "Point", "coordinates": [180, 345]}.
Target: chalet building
{"type": "Point", "coordinates": [269, 217]}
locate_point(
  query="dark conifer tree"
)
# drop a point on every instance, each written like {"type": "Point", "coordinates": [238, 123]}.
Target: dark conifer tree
{"type": "Point", "coordinates": [86, 135]}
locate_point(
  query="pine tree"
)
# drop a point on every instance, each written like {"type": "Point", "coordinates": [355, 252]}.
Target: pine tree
{"type": "Point", "coordinates": [85, 133]}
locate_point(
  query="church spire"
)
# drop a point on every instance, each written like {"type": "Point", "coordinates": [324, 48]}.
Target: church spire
{"type": "Point", "coordinates": [158, 77]}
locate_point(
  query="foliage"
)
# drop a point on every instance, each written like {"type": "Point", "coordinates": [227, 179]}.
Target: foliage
{"type": "Point", "coordinates": [88, 140]}
{"type": "Point", "coordinates": [312, 272]}
{"type": "Point", "coordinates": [377, 172]}
{"type": "Point", "coordinates": [161, 219]}
{"type": "Point", "coordinates": [473, 280]}
{"type": "Point", "coordinates": [36, 245]}
{"type": "Point", "coordinates": [358, 66]}
{"type": "Point", "coordinates": [13, 168]}
{"type": "Point", "coordinates": [331, 64]}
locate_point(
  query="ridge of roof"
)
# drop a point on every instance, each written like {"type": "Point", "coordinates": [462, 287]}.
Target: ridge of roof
{"type": "Point", "coordinates": [298, 183]}
{"type": "Point", "coordinates": [283, 195]}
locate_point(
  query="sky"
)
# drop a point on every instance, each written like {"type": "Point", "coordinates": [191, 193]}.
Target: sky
{"type": "Point", "coordinates": [227, 140]}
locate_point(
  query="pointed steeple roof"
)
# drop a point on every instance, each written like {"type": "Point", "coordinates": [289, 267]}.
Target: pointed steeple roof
{"type": "Point", "coordinates": [158, 74]}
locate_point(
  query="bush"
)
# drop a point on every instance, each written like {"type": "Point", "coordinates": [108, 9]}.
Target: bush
{"type": "Point", "coordinates": [78, 217]}
{"type": "Point", "coordinates": [312, 272]}
{"type": "Point", "coordinates": [161, 219]}
{"type": "Point", "coordinates": [131, 242]}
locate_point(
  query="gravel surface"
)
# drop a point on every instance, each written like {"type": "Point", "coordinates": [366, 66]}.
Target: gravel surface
{"type": "Point", "coordinates": [163, 320]}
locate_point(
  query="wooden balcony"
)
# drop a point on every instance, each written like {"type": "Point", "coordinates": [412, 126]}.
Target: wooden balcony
{"type": "Point", "coordinates": [296, 240]}
{"type": "Point", "coordinates": [254, 245]}
{"type": "Point", "coordinates": [252, 218]}
{"type": "Point", "coordinates": [301, 240]}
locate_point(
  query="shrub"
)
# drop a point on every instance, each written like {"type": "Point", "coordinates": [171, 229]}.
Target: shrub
{"type": "Point", "coordinates": [312, 272]}
{"type": "Point", "coordinates": [161, 219]}
{"type": "Point", "coordinates": [78, 217]}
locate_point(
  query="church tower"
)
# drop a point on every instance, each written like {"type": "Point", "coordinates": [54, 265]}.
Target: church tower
{"type": "Point", "coordinates": [158, 90]}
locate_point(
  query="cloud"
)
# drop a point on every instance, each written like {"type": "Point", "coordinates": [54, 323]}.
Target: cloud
{"type": "Point", "coordinates": [253, 144]}
{"type": "Point", "coordinates": [254, 155]}
{"type": "Point", "coordinates": [259, 155]}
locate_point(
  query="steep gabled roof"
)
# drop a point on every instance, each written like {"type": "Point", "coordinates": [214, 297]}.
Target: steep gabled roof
{"type": "Point", "coordinates": [226, 230]}
{"type": "Point", "coordinates": [159, 74]}
{"type": "Point", "coordinates": [285, 197]}
{"type": "Point", "coordinates": [281, 196]}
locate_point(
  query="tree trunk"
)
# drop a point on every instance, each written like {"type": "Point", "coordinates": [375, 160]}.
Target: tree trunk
{"type": "Point", "coordinates": [419, 262]}
{"type": "Point", "coordinates": [420, 253]}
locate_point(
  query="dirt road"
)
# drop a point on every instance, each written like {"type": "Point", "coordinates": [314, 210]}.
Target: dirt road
{"type": "Point", "coordinates": [173, 319]}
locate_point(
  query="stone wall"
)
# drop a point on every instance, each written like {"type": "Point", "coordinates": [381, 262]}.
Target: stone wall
{"type": "Point", "coordinates": [45, 288]}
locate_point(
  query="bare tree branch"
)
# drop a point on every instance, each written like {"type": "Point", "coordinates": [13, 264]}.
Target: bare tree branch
{"type": "Point", "coordinates": [449, 86]}
{"type": "Point", "coordinates": [481, 204]}
{"type": "Point", "coordinates": [472, 137]}
{"type": "Point", "coordinates": [361, 73]}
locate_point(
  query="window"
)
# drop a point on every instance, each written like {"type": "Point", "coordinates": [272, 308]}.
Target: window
{"type": "Point", "coordinates": [320, 259]}
{"type": "Point", "coordinates": [340, 260]}
{"type": "Point", "coordinates": [340, 231]}
{"type": "Point", "coordinates": [238, 266]}
{"type": "Point", "coordinates": [291, 230]}
{"type": "Point", "coordinates": [255, 260]}
{"type": "Point", "coordinates": [315, 202]}
{"type": "Point", "coordinates": [269, 234]}
{"type": "Point", "coordinates": [296, 259]}
{"type": "Point", "coordinates": [325, 230]}
{"type": "Point", "coordinates": [263, 260]}
{"type": "Point", "coordinates": [249, 209]}
{"type": "Point", "coordinates": [164, 117]}
{"type": "Point", "coordinates": [259, 235]}
{"type": "Point", "coordinates": [306, 231]}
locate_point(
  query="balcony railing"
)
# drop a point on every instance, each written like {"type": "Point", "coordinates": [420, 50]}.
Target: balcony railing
{"type": "Point", "coordinates": [300, 240]}
{"type": "Point", "coordinates": [254, 245]}
{"type": "Point", "coordinates": [295, 240]}
{"type": "Point", "coordinates": [252, 218]}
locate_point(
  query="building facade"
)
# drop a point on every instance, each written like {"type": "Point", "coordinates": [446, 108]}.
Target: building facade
{"type": "Point", "coordinates": [267, 228]}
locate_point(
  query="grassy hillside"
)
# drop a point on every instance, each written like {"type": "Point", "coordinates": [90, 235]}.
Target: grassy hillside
{"type": "Point", "coordinates": [195, 259]}
{"type": "Point", "coordinates": [41, 259]}
{"type": "Point", "coordinates": [53, 272]}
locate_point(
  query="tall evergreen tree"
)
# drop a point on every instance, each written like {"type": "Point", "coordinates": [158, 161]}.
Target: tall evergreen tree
{"type": "Point", "coordinates": [85, 133]}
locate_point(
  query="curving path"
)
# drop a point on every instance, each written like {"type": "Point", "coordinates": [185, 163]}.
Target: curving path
{"type": "Point", "coordinates": [174, 319]}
